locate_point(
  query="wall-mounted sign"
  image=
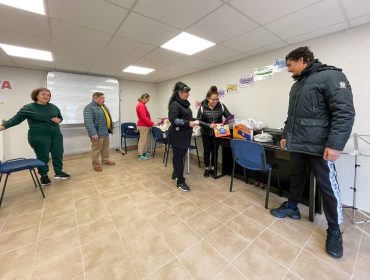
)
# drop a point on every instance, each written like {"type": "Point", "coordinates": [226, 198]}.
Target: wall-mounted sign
{"type": "Point", "coordinates": [5, 85]}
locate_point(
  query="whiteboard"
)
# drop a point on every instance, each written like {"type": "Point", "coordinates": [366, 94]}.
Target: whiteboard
{"type": "Point", "coordinates": [72, 92]}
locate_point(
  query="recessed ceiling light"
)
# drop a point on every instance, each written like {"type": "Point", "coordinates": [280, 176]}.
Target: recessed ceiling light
{"type": "Point", "coordinates": [27, 52]}
{"type": "Point", "coordinates": [34, 6]}
{"type": "Point", "coordinates": [104, 87]}
{"type": "Point", "coordinates": [113, 81]}
{"type": "Point", "coordinates": [187, 43]}
{"type": "Point", "coordinates": [138, 70]}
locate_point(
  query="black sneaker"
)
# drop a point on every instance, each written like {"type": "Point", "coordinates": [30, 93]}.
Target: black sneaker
{"type": "Point", "coordinates": [62, 176]}
{"type": "Point", "coordinates": [184, 187]}
{"type": "Point", "coordinates": [44, 180]}
{"type": "Point", "coordinates": [284, 211]}
{"type": "Point", "coordinates": [206, 173]}
{"type": "Point", "coordinates": [212, 172]}
{"type": "Point", "coordinates": [174, 176]}
{"type": "Point", "coordinates": [334, 243]}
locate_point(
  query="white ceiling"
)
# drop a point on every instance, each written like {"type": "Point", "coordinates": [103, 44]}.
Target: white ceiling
{"type": "Point", "coordinates": [102, 37]}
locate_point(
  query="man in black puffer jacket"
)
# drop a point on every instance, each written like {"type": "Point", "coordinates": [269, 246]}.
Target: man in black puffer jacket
{"type": "Point", "coordinates": [320, 119]}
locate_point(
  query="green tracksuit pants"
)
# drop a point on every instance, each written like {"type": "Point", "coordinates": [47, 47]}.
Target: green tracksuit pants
{"type": "Point", "coordinates": [45, 142]}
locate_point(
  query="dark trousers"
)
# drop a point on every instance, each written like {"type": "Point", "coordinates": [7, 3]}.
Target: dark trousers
{"type": "Point", "coordinates": [208, 149]}
{"type": "Point", "coordinates": [326, 180]}
{"type": "Point", "coordinates": [178, 163]}
{"type": "Point", "coordinates": [45, 143]}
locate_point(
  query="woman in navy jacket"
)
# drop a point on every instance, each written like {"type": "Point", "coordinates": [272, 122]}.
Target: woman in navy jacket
{"type": "Point", "coordinates": [180, 131]}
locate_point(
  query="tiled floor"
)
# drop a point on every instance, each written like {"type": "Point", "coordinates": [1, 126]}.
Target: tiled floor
{"type": "Point", "coordinates": [130, 222]}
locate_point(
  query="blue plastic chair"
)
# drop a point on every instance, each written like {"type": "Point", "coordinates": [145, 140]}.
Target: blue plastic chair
{"type": "Point", "coordinates": [14, 165]}
{"type": "Point", "coordinates": [251, 155]}
{"type": "Point", "coordinates": [160, 139]}
{"type": "Point", "coordinates": [127, 132]}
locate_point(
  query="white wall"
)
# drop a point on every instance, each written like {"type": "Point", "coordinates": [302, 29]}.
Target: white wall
{"type": "Point", "coordinates": [25, 80]}
{"type": "Point", "coordinates": [268, 100]}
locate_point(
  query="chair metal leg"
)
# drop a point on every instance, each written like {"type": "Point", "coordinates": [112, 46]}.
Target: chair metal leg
{"type": "Point", "coordinates": [278, 181]}
{"type": "Point", "coordinates": [268, 189]}
{"type": "Point", "coordinates": [33, 179]}
{"type": "Point", "coordinates": [245, 176]}
{"type": "Point", "coordinates": [196, 148]}
{"type": "Point", "coordinates": [164, 154]}
{"type": "Point", "coordinates": [125, 145]}
{"type": "Point", "coordinates": [232, 176]}
{"type": "Point", "coordinates": [168, 151]}
{"type": "Point", "coordinates": [155, 145]}
{"type": "Point", "coordinates": [4, 187]}
{"type": "Point", "coordinates": [38, 182]}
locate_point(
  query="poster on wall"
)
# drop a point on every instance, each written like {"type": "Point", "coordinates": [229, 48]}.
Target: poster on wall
{"type": "Point", "coordinates": [2, 100]}
{"type": "Point", "coordinates": [232, 88]}
{"type": "Point", "coordinates": [221, 93]}
{"type": "Point", "coordinates": [246, 81]}
{"type": "Point", "coordinates": [279, 65]}
{"type": "Point", "coordinates": [6, 85]}
{"type": "Point", "coordinates": [263, 73]}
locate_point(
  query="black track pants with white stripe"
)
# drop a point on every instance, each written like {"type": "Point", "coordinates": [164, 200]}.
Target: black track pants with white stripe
{"type": "Point", "coordinates": [326, 180]}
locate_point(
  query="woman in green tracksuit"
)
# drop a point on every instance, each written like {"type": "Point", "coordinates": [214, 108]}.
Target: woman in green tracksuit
{"type": "Point", "coordinates": [44, 134]}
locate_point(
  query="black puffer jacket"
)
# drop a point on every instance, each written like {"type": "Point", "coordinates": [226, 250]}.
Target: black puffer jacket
{"type": "Point", "coordinates": [179, 114]}
{"type": "Point", "coordinates": [321, 112]}
{"type": "Point", "coordinates": [209, 116]}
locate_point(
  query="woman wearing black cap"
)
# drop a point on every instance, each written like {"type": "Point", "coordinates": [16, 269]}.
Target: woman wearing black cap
{"type": "Point", "coordinates": [180, 131]}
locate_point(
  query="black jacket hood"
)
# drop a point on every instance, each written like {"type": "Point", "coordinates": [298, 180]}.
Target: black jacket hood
{"type": "Point", "coordinates": [313, 67]}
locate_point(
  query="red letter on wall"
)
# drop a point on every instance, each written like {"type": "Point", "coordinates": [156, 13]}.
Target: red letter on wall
{"type": "Point", "coordinates": [6, 85]}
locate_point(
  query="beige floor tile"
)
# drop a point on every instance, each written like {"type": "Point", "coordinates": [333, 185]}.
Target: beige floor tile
{"type": "Point", "coordinates": [58, 225]}
{"type": "Point", "coordinates": [282, 250]}
{"type": "Point", "coordinates": [291, 231]}
{"type": "Point", "coordinates": [57, 211]}
{"type": "Point", "coordinates": [237, 203]}
{"type": "Point", "coordinates": [150, 256]}
{"type": "Point", "coordinates": [56, 245]}
{"type": "Point", "coordinates": [124, 218]}
{"type": "Point", "coordinates": [88, 202]}
{"type": "Point", "coordinates": [292, 276]}
{"type": "Point", "coordinates": [112, 195]}
{"type": "Point", "coordinates": [102, 249]}
{"type": "Point", "coordinates": [26, 207]}
{"type": "Point", "coordinates": [316, 246]}
{"type": "Point", "coordinates": [123, 203]}
{"type": "Point", "coordinates": [362, 269]}
{"type": "Point", "coordinates": [95, 229]}
{"type": "Point", "coordinates": [229, 273]}
{"type": "Point", "coordinates": [152, 206]}
{"type": "Point", "coordinates": [204, 201]}
{"type": "Point", "coordinates": [186, 209]}
{"type": "Point", "coordinates": [131, 187]}
{"type": "Point", "coordinates": [161, 189]}
{"type": "Point", "coordinates": [260, 215]}
{"type": "Point", "coordinates": [141, 196]}
{"type": "Point", "coordinates": [254, 264]}
{"type": "Point", "coordinates": [223, 212]}
{"type": "Point", "coordinates": [172, 198]}
{"type": "Point", "coordinates": [117, 268]}
{"type": "Point", "coordinates": [64, 266]}
{"type": "Point", "coordinates": [18, 239]}
{"type": "Point", "coordinates": [203, 223]}
{"type": "Point", "coordinates": [170, 271]}
{"type": "Point", "coordinates": [133, 234]}
{"type": "Point", "coordinates": [227, 242]}
{"type": "Point", "coordinates": [20, 222]}
{"type": "Point", "coordinates": [180, 237]}
{"type": "Point", "coordinates": [309, 266]}
{"type": "Point", "coordinates": [107, 186]}
{"type": "Point", "coordinates": [17, 264]}
{"type": "Point", "coordinates": [202, 261]}
{"type": "Point", "coordinates": [91, 214]}
{"type": "Point", "coordinates": [246, 227]}
{"type": "Point", "coordinates": [365, 246]}
{"type": "Point", "coordinates": [163, 220]}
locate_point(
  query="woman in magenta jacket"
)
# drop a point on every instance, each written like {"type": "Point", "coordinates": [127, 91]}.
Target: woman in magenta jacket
{"type": "Point", "coordinates": [144, 124]}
